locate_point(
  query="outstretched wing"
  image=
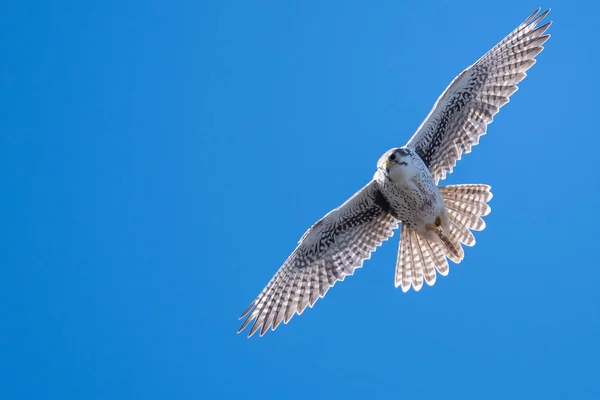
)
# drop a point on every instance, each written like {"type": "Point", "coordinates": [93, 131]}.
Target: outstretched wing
{"type": "Point", "coordinates": [329, 251]}
{"type": "Point", "coordinates": [461, 114]}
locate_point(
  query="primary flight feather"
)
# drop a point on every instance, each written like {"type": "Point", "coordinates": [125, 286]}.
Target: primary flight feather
{"type": "Point", "coordinates": [436, 220]}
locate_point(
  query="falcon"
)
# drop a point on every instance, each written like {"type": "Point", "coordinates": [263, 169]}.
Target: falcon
{"type": "Point", "coordinates": [436, 221]}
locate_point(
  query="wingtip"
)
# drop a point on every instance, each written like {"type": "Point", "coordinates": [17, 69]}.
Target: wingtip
{"type": "Point", "coordinates": [536, 17]}
{"type": "Point", "coordinates": [264, 329]}
{"type": "Point", "coordinates": [540, 17]}
{"type": "Point", "coordinates": [259, 323]}
{"type": "Point", "coordinates": [245, 324]}
{"type": "Point", "coordinates": [531, 16]}
{"type": "Point", "coordinates": [246, 311]}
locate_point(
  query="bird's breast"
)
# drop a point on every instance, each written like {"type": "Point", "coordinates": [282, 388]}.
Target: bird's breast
{"type": "Point", "coordinates": [414, 202]}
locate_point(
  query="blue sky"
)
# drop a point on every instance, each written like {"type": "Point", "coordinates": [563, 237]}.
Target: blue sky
{"type": "Point", "coordinates": [159, 161]}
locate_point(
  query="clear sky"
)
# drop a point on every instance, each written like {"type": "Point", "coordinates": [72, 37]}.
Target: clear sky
{"type": "Point", "coordinates": [159, 161]}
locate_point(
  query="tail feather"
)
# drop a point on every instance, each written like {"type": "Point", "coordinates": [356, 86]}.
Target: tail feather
{"type": "Point", "coordinates": [452, 248]}
{"type": "Point", "coordinates": [461, 233]}
{"type": "Point", "coordinates": [441, 263]}
{"type": "Point", "coordinates": [427, 258]}
{"type": "Point", "coordinates": [467, 193]}
{"type": "Point", "coordinates": [468, 208]}
{"type": "Point", "coordinates": [404, 264]}
{"type": "Point", "coordinates": [419, 258]}
{"type": "Point", "coordinates": [411, 262]}
{"type": "Point", "coordinates": [471, 221]}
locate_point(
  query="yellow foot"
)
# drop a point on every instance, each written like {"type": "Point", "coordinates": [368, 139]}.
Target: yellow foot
{"type": "Point", "coordinates": [435, 227]}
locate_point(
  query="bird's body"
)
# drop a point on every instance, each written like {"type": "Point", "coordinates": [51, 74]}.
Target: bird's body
{"type": "Point", "coordinates": [409, 188]}
{"type": "Point", "coordinates": [436, 220]}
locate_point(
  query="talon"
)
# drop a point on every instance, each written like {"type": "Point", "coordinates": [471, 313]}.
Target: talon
{"type": "Point", "coordinates": [436, 226]}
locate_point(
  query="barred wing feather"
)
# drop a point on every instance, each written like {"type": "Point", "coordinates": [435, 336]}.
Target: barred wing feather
{"type": "Point", "coordinates": [329, 251]}
{"type": "Point", "coordinates": [461, 114]}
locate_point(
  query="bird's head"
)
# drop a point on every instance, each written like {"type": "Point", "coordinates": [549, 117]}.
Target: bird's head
{"type": "Point", "coordinates": [398, 163]}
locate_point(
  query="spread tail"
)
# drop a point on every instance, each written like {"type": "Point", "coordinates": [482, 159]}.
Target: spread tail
{"type": "Point", "coordinates": [419, 258]}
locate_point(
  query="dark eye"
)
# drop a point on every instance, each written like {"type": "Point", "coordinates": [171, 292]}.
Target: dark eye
{"type": "Point", "coordinates": [393, 157]}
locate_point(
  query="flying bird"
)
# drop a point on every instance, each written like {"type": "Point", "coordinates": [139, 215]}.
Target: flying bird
{"type": "Point", "coordinates": [435, 220]}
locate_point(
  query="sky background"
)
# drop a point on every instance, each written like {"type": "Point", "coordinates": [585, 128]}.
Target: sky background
{"type": "Point", "coordinates": [159, 161]}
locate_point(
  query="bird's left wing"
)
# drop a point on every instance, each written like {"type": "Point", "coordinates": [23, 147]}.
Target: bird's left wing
{"type": "Point", "coordinates": [461, 114]}
{"type": "Point", "coordinates": [330, 250]}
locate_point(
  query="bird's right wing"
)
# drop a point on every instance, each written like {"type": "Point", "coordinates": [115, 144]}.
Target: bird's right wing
{"type": "Point", "coordinates": [329, 251]}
